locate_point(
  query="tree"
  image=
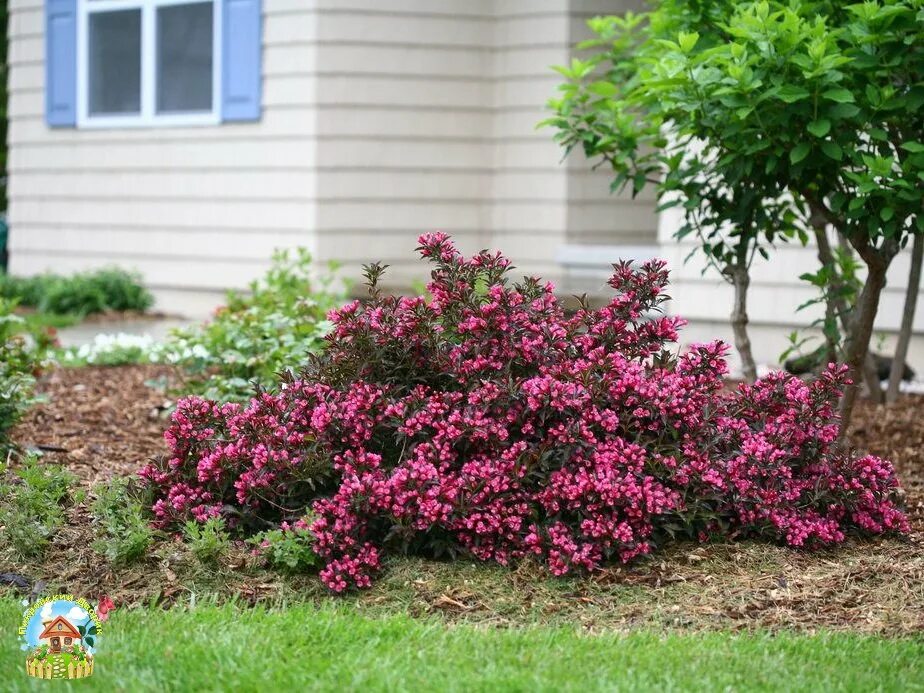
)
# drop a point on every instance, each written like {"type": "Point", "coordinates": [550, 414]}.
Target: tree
{"type": "Point", "coordinates": [822, 98]}
{"type": "Point", "coordinates": [636, 105]}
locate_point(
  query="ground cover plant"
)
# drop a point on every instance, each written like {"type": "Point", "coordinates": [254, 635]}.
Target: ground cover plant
{"type": "Point", "coordinates": [487, 421]}
{"type": "Point", "coordinates": [35, 499]}
{"type": "Point", "coordinates": [272, 327]}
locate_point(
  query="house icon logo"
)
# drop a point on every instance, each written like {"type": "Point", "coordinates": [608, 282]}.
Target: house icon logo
{"type": "Point", "coordinates": [60, 635]}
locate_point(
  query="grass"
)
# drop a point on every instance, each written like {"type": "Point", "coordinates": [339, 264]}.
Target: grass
{"type": "Point", "coordinates": [334, 648]}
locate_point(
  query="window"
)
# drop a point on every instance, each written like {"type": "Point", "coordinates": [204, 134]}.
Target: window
{"type": "Point", "coordinates": [123, 63]}
{"type": "Point", "coordinates": [148, 62]}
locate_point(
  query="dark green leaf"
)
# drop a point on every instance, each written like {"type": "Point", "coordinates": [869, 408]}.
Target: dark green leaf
{"type": "Point", "coordinates": [832, 150]}
{"type": "Point", "coordinates": [791, 93]}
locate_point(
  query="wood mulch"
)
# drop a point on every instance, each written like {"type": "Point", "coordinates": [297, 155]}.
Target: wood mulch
{"type": "Point", "coordinates": [100, 422]}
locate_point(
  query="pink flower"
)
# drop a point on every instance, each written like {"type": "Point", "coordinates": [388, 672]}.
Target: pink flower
{"type": "Point", "coordinates": [104, 608]}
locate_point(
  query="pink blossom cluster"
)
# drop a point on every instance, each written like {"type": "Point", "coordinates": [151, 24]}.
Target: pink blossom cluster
{"type": "Point", "coordinates": [486, 419]}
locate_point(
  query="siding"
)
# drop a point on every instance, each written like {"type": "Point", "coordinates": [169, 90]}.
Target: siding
{"type": "Point", "coordinates": [382, 119]}
{"type": "Point", "coordinates": [405, 107]}
{"type": "Point", "coordinates": [428, 121]}
{"type": "Point", "coordinates": [196, 210]}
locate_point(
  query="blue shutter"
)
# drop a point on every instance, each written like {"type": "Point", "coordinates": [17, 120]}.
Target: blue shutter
{"type": "Point", "coordinates": [241, 57]}
{"type": "Point", "coordinates": [61, 63]}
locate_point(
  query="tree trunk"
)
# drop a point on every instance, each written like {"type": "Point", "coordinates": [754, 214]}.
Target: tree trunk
{"type": "Point", "coordinates": [877, 262]}
{"type": "Point", "coordinates": [741, 280]}
{"type": "Point", "coordinates": [873, 384]}
{"type": "Point", "coordinates": [835, 304]}
{"type": "Point", "coordinates": [904, 333]}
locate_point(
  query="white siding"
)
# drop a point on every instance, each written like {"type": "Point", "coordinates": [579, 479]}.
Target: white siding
{"type": "Point", "coordinates": [428, 121]}
{"type": "Point", "coordinates": [196, 210]}
{"type": "Point", "coordinates": [405, 109]}
{"type": "Point", "coordinates": [382, 119]}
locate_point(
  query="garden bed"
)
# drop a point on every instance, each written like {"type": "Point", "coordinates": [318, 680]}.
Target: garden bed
{"type": "Point", "coordinates": [101, 422]}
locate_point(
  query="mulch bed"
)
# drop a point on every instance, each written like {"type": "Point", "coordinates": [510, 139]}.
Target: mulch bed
{"type": "Point", "coordinates": [100, 422]}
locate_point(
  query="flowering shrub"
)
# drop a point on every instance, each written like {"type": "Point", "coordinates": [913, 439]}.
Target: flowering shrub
{"type": "Point", "coordinates": [487, 420]}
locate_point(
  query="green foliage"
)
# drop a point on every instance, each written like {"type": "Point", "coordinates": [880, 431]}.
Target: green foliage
{"type": "Point", "coordinates": [273, 327]}
{"type": "Point", "coordinates": [820, 100]}
{"type": "Point", "coordinates": [33, 498]}
{"type": "Point", "coordinates": [123, 531]}
{"type": "Point", "coordinates": [18, 365]}
{"type": "Point", "coordinates": [208, 541]}
{"type": "Point", "coordinates": [290, 549]}
{"type": "Point", "coordinates": [83, 293]}
{"type": "Point", "coordinates": [763, 119]}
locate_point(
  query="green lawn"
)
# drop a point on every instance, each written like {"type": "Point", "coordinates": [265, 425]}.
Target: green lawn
{"type": "Point", "coordinates": [335, 648]}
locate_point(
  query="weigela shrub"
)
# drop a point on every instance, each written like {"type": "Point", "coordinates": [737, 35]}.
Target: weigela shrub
{"type": "Point", "coordinates": [487, 420]}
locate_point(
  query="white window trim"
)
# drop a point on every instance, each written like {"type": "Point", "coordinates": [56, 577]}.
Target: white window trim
{"type": "Point", "coordinates": [148, 117]}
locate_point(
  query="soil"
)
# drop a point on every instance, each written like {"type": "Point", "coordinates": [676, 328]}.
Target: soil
{"type": "Point", "coordinates": [101, 422]}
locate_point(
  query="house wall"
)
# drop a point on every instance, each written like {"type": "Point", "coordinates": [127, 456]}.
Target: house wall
{"type": "Point", "coordinates": [382, 119]}
{"type": "Point", "coordinates": [403, 126]}
{"type": "Point", "coordinates": [427, 120]}
{"type": "Point", "coordinates": [196, 209]}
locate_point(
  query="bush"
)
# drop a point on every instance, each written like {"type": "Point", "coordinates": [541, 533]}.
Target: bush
{"type": "Point", "coordinates": [123, 531]}
{"type": "Point", "coordinates": [83, 293]}
{"type": "Point", "coordinates": [486, 420]}
{"type": "Point", "coordinates": [273, 327]}
{"type": "Point", "coordinates": [32, 502]}
{"type": "Point", "coordinates": [19, 364]}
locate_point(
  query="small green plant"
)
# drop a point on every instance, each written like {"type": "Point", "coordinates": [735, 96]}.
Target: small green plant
{"type": "Point", "coordinates": [32, 503]}
{"type": "Point", "coordinates": [273, 327]}
{"type": "Point", "coordinates": [123, 531]}
{"type": "Point", "coordinates": [18, 366]}
{"type": "Point", "coordinates": [207, 541]}
{"type": "Point", "coordinates": [289, 549]}
{"type": "Point", "coordinates": [83, 293]}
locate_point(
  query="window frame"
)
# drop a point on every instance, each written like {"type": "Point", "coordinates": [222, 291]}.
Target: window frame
{"type": "Point", "coordinates": [148, 116]}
